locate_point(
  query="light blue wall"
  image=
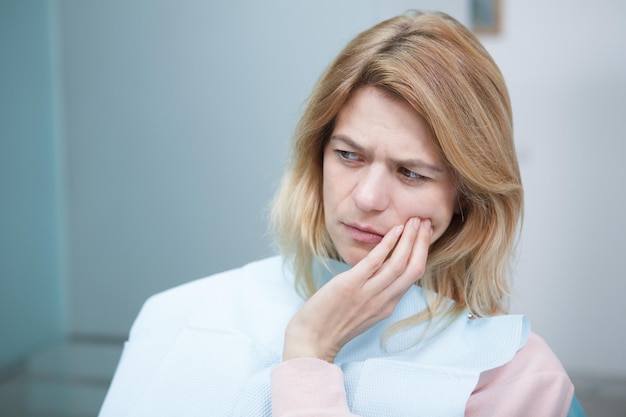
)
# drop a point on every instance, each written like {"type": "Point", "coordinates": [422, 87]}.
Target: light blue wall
{"type": "Point", "coordinates": [31, 312]}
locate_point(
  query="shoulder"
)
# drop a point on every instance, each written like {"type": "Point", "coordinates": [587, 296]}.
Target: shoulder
{"type": "Point", "coordinates": [167, 312]}
{"type": "Point", "coordinates": [534, 357]}
{"type": "Point", "coordinates": [534, 383]}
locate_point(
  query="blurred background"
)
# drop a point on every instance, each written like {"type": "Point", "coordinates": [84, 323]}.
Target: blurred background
{"type": "Point", "coordinates": [142, 140]}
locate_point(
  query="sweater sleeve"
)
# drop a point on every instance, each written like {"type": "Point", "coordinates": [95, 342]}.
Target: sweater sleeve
{"type": "Point", "coordinates": [308, 387]}
{"type": "Point", "coordinates": [533, 383]}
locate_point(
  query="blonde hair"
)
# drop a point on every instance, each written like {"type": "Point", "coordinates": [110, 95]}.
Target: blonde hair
{"type": "Point", "coordinates": [439, 68]}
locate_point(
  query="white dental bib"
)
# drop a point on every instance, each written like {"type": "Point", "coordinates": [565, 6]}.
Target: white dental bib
{"type": "Point", "coordinates": [206, 348]}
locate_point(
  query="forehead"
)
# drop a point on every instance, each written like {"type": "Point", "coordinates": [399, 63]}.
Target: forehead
{"type": "Point", "coordinates": [374, 119]}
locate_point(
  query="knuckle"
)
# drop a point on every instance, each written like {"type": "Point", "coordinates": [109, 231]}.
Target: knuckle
{"type": "Point", "coordinates": [346, 291]}
{"type": "Point", "coordinates": [370, 264]}
{"type": "Point", "coordinates": [419, 271]}
{"type": "Point", "coordinates": [387, 310]}
{"type": "Point", "coordinates": [396, 268]}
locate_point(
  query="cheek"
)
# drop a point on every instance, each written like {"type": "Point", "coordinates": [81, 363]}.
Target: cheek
{"type": "Point", "coordinates": [335, 183]}
{"type": "Point", "coordinates": [331, 187]}
{"type": "Point", "coordinates": [442, 221]}
{"type": "Point", "coordinates": [437, 206]}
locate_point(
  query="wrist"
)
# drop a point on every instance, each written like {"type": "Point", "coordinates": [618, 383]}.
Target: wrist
{"type": "Point", "coordinates": [304, 346]}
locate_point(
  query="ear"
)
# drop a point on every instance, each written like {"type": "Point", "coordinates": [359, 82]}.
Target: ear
{"type": "Point", "coordinates": [461, 204]}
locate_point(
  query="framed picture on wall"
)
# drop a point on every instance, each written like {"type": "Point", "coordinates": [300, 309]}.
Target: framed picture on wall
{"type": "Point", "coordinates": [486, 16]}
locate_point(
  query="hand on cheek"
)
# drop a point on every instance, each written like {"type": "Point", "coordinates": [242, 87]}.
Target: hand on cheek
{"type": "Point", "coordinates": [355, 300]}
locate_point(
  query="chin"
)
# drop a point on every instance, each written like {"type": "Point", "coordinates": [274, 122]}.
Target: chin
{"type": "Point", "coordinates": [354, 256]}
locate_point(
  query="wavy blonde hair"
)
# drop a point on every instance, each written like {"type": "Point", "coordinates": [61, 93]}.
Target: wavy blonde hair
{"type": "Point", "coordinates": [441, 70]}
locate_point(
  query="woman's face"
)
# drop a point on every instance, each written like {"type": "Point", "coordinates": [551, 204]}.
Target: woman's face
{"type": "Point", "coordinates": [380, 169]}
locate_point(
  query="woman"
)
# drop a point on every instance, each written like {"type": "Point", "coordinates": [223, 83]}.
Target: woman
{"type": "Point", "coordinates": [396, 220]}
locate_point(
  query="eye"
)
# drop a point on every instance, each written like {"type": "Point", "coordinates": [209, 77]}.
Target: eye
{"type": "Point", "coordinates": [347, 155]}
{"type": "Point", "coordinates": [411, 175]}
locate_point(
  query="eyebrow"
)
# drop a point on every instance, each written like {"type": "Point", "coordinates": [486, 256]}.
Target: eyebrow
{"type": "Point", "coordinates": [408, 163]}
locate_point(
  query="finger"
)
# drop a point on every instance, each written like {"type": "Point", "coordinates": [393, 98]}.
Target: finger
{"type": "Point", "coordinates": [376, 257]}
{"type": "Point", "coordinates": [401, 254]}
{"type": "Point", "coordinates": [396, 264]}
{"type": "Point", "coordinates": [416, 265]}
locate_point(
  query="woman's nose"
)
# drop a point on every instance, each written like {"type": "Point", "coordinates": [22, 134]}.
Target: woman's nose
{"type": "Point", "coordinates": [372, 190]}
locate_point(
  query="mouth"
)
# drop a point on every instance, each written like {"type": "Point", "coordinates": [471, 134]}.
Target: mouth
{"type": "Point", "coordinates": [363, 234]}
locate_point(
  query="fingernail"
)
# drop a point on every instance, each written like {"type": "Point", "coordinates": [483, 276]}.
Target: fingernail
{"type": "Point", "coordinates": [427, 225]}
{"type": "Point", "coordinates": [398, 230]}
{"type": "Point", "coordinates": [416, 223]}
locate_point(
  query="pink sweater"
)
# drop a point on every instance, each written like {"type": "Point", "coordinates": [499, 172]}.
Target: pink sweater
{"type": "Point", "coordinates": [533, 383]}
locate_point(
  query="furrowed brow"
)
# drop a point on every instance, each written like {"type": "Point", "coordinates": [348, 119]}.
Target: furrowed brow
{"type": "Point", "coordinates": [411, 163]}
{"type": "Point", "coordinates": [346, 140]}
{"type": "Point", "coordinates": [420, 164]}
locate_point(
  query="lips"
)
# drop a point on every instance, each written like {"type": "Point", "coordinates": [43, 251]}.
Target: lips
{"type": "Point", "coordinates": [363, 234]}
